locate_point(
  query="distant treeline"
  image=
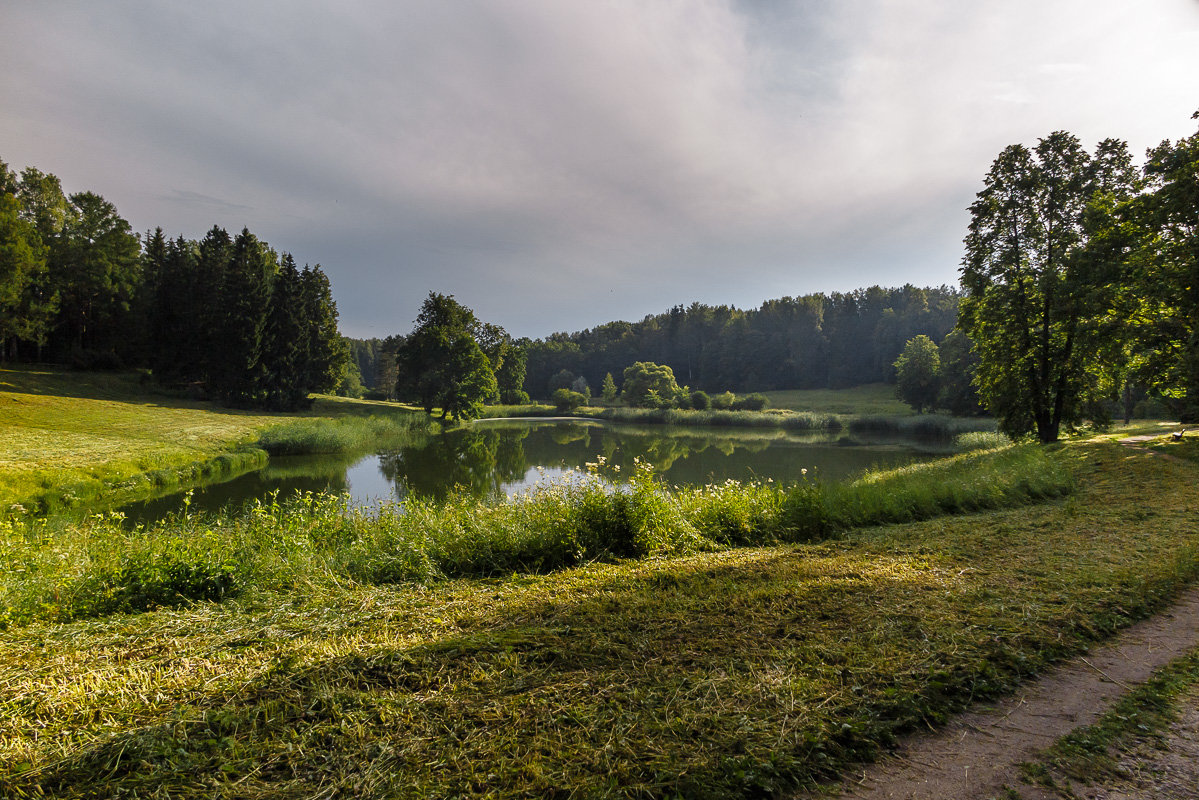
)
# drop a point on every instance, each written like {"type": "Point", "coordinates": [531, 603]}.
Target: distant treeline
{"type": "Point", "coordinates": [813, 341]}
{"type": "Point", "coordinates": [227, 315]}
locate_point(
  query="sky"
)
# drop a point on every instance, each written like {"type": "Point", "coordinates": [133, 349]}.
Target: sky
{"type": "Point", "coordinates": [559, 164]}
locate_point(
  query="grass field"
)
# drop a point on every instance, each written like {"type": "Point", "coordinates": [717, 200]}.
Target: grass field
{"type": "Point", "coordinates": [69, 437]}
{"type": "Point", "coordinates": [872, 399]}
{"type": "Point", "coordinates": [739, 671]}
{"type": "Point", "coordinates": [717, 674]}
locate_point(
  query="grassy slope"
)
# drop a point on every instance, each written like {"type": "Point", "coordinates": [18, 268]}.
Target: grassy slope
{"type": "Point", "coordinates": [869, 399]}
{"type": "Point", "coordinates": [85, 433]}
{"type": "Point", "coordinates": [723, 674]}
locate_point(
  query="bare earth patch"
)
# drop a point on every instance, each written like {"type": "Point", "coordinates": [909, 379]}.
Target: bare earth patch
{"type": "Point", "coordinates": [978, 754]}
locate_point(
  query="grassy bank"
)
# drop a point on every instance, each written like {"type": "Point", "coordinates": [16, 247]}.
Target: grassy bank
{"type": "Point", "coordinates": [75, 438]}
{"type": "Point", "coordinates": [61, 570]}
{"type": "Point", "coordinates": [732, 673]}
{"type": "Point", "coordinates": [876, 399]}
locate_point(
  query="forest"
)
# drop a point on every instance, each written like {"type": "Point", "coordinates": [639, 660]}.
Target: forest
{"type": "Point", "coordinates": [227, 317]}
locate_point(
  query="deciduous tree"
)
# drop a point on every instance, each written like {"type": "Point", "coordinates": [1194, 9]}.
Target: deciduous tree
{"type": "Point", "coordinates": [918, 373]}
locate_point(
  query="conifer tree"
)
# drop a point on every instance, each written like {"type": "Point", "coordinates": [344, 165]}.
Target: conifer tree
{"type": "Point", "coordinates": [206, 312]}
{"type": "Point", "coordinates": [245, 294]}
{"type": "Point", "coordinates": [284, 350]}
{"type": "Point", "coordinates": [325, 352]}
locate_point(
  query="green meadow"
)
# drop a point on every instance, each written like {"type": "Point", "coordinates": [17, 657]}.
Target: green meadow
{"type": "Point", "coordinates": [728, 641]}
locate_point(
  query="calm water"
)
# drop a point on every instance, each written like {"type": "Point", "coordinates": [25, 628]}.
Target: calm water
{"type": "Point", "coordinates": [504, 458]}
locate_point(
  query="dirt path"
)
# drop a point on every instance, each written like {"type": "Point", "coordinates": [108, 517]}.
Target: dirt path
{"type": "Point", "coordinates": [977, 755]}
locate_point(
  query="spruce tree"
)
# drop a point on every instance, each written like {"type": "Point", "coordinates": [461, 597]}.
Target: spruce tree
{"type": "Point", "coordinates": [245, 294]}
{"type": "Point", "coordinates": [284, 341]}
{"type": "Point", "coordinates": [325, 352]}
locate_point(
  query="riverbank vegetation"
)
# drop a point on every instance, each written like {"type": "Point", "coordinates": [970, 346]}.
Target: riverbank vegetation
{"type": "Point", "coordinates": [309, 673]}
{"type": "Point", "coordinates": [66, 570]}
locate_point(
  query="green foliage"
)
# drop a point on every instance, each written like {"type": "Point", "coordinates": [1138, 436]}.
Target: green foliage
{"type": "Point", "coordinates": [441, 365]}
{"type": "Point", "coordinates": [22, 267]}
{"type": "Point", "coordinates": [918, 374]}
{"type": "Point", "coordinates": [959, 365]}
{"type": "Point", "coordinates": [649, 385]}
{"type": "Point", "coordinates": [566, 401]}
{"type": "Point", "coordinates": [562, 379]}
{"type": "Point", "coordinates": [723, 401]}
{"type": "Point", "coordinates": [808, 342]}
{"type": "Point", "coordinates": [700, 401]}
{"type": "Point", "coordinates": [751, 402]}
{"type": "Point", "coordinates": [608, 391]}
{"type": "Point", "coordinates": [511, 375]}
{"type": "Point", "coordinates": [1164, 319]}
{"type": "Point", "coordinates": [1035, 295]}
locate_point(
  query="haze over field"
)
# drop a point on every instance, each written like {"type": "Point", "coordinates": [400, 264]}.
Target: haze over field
{"type": "Point", "coordinates": [558, 165]}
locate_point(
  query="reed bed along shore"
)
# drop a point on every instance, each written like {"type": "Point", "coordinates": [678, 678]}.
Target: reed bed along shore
{"type": "Point", "coordinates": [740, 671]}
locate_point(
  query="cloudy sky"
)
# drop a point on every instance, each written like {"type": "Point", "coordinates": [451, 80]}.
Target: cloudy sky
{"type": "Point", "coordinates": [558, 164]}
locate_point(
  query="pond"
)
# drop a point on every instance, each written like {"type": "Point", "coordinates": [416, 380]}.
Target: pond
{"type": "Point", "coordinates": [506, 457]}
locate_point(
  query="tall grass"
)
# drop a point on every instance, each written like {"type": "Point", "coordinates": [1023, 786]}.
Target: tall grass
{"type": "Point", "coordinates": [100, 566]}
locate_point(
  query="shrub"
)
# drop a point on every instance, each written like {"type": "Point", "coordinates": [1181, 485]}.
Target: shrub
{"type": "Point", "coordinates": [700, 401]}
{"type": "Point", "coordinates": [752, 402]}
{"type": "Point", "coordinates": [724, 401]}
{"type": "Point", "coordinates": [566, 401]}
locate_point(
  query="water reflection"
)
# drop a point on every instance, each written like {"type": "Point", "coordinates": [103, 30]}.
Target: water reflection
{"type": "Point", "coordinates": [492, 459]}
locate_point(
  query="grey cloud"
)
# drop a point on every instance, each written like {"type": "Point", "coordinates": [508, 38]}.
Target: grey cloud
{"type": "Point", "coordinates": [560, 164]}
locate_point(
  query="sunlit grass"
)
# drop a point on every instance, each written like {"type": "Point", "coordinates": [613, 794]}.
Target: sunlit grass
{"type": "Point", "coordinates": [738, 672]}
{"type": "Point", "coordinates": [68, 438]}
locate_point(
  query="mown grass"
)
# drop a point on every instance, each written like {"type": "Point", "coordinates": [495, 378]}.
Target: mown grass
{"type": "Point", "coordinates": [734, 673]}
{"type": "Point", "coordinates": [69, 439]}
{"type": "Point", "coordinates": [1091, 755]}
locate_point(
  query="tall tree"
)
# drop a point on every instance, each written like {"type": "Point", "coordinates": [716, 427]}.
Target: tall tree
{"type": "Point", "coordinates": [1030, 295]}
{"type": "Point", "coordinates": [100, 268]}
{"type": "Point", "coordinates": [22, 263]}
{"type": "Point", "coordinates": [238, 369]}
{"type": "Point", "coordinates": [284, 344]}
{"type": "Point", "coordinates": [441, 365]}
{"type": "Point", "coordinates": [325, 352]}
{"type": "Point", "coordinates": [1167, 273]}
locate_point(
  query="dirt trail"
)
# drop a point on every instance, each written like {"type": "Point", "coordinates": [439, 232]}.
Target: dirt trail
{"type": "Point", "coordinates": [976, 755]}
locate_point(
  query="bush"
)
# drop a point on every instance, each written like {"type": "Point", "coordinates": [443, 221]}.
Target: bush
{"type": "Point", "coordinates": [700, 401]}
{"type": "Point", "coordinates": [566, 401]}
{"type": "Point", "coordinates": [752, 402]}
{"type": "Point", "coordinates": [723, 402]}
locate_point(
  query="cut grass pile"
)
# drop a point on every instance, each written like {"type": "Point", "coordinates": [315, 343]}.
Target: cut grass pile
{"type": "Point", "coordinates": [735, 673]}
{"type": "Point", "coordinates": [72, 438]}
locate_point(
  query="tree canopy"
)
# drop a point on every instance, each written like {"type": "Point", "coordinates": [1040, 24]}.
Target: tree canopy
{"type": "Point", "coordinates": [441, 364]}
{"type": "Point", "coordinates": [918, 374]}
